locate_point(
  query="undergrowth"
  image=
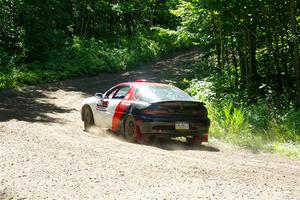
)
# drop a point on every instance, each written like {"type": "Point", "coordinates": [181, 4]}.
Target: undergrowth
{"type": "Point", "coordinates": [88, 57]}
{"type": "Point", "coordinates": [258, 127]}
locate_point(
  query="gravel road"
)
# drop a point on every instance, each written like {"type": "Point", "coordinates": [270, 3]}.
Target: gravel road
{"type": "Point", "coordinates": [45, 154]}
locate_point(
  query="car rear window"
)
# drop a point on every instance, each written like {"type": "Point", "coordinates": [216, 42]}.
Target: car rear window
{"type": "Point", "coordinates": [153, 93]}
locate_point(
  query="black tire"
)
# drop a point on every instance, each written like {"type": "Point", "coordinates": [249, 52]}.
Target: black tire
{"type": "Point", "coordinates": [193, 141]}
{"type": "Point", "coordinates": [88, 118]}
{"type": "Point", "coordinates": [129, 129]}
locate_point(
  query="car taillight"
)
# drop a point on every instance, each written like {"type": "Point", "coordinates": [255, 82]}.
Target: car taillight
{"type": "Point", "coordinates": [155, 112]}
{"type": "Point", "coordinates": [205, 137]}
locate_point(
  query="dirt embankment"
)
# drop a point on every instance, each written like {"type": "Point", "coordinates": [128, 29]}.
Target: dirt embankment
{"type": "Point", "coordinates": [44, 153]}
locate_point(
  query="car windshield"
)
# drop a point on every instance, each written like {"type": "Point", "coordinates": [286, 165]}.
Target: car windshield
{"type": "Point", "coordinates": [153, 93]}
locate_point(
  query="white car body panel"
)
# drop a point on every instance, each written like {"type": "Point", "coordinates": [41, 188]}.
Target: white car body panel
{"type": "Point", "coordinates": [106, 114]}
{"type": "Point", "coordinates": [102, 116]}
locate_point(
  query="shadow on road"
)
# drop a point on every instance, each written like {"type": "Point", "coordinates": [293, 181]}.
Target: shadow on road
{"type": "Point", "coordinates": [32, 104]}
{"type": "Point", "coordinates": [173, 145]}
{"type": "Point", "coordinates": [27, 105]}
{"type": "Point", "coordinates": [161, 143]}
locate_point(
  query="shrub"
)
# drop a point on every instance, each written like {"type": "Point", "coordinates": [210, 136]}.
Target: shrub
{"type": "Point", "coordinates": [257, 126]}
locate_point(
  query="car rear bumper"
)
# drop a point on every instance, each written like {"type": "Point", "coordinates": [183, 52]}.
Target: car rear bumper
{"type": "Point", "coordinates": [165, 127]}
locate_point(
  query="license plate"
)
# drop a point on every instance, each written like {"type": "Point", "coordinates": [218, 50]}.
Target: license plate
{"type": "Point", "coordinates": [182, 125]}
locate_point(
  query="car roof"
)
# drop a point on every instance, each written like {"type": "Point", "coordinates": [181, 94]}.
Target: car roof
{"type": "Point", "coordinates": [144, 83]}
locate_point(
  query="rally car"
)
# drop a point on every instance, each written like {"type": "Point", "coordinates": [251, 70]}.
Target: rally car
{"type": "Point", "coordinates": [143, 110]}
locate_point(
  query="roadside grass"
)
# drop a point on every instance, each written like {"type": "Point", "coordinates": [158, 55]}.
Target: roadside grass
{"type": "Point", "coordinates": [235, 128]}
{"type": "Point", "coordinates": [256, 127]}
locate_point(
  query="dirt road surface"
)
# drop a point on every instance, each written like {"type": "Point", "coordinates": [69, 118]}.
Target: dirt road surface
{"type": "Point", "coordinates": [45, 154]}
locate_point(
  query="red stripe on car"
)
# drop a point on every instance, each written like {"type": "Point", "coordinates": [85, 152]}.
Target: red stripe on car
{"type": "Point", "coordinates": [121, 107]}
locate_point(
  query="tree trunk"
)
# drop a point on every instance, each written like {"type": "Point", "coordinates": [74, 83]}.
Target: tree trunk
{"type": "Point", "coordinates": [295, 50]}
{"type": "Point", "coordinates": [234, 60]}
{"type": "Point", "coordinates": [278, 68]}
{"type": "Point", "coordinates": [216, 37]}
{"type": "Point", "coordinates": [252, 81]}
{"type": "Point", "coordinates": [241, 49]}
{"type": "Point", "coordinates": [221, 46]}
{"type": "Point", "coordinates": [218, 50]}
{"type": "Point", "coordinates": [283, 59]}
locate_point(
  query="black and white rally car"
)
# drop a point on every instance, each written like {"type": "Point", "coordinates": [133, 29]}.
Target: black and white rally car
{"type": "Point", "coordinates": [141, 110]}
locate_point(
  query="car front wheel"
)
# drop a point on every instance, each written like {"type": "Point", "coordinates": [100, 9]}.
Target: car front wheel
{"type": "Point", "coordinates": [88, 118]}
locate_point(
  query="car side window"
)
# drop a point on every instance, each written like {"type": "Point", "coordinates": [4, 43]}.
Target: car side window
{"type": "Point", "coordinates": [117, 93]}
{"type": "Point", "coordinates": [111, 93]}
{"type": "Point", "coordinates": [121, 93]}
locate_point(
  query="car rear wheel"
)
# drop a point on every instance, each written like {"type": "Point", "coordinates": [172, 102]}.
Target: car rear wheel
{"type": "Point", "coordinates": [131, 130]}
{"type": "Point", "coordinates": [88, 118]}
{"type": "Point", "coordinates": [194, 140]}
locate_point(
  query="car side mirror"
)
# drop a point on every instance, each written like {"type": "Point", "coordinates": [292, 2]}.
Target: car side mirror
{"type": "Point", "coordinates": [99, 95]}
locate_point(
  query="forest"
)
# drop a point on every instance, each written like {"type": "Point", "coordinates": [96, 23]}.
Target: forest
{"type": "Point", "coordinates": [248, 74]}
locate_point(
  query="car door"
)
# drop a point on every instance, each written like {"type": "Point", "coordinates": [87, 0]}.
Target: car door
{"type": "Point", "coordinates": [108, 105]}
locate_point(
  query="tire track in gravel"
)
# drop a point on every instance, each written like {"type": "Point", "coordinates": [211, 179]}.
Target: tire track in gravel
{"type": "Point", "coordinates": [45, 154]}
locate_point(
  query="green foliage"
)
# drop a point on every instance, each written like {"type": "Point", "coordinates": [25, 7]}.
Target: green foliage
{"type": "Point", "coordinates": [253, 46]}
{"type": "Point", "coordinates": [12, 34]}
{"type": "Point", "coordinates": [55, 40]}
{"type": "Point", "coordinates": [86, 57]}
{"type": "Point", "coordinates": [257, 127]}
{"type": "Point", "coordinates": [170, 40]}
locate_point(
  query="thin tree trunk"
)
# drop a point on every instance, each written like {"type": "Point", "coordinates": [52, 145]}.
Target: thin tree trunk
{"type": "Point", "coordinates": [252, 71]}
{"type": "Point", "coordinates": [278, 68]}
{"type": "Point", "coordinates": [283, 59]}
{"type": "Point", "coordinates": [236, 75]}
{"type": "Point", "coordinates": [218, 50]}
{"type": "Point", "coordinates": [243, 60]}
{"type": "Point", "coordinates": [221, 46]}
{"type": "Point", "coordinates": [83, 18]}
{"type": "Point", "coordinates": [217, 45]}
{"type": "Point", "coordinates": [295, 50]}
{"type": "Point", "coordinates": [87, 24]}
